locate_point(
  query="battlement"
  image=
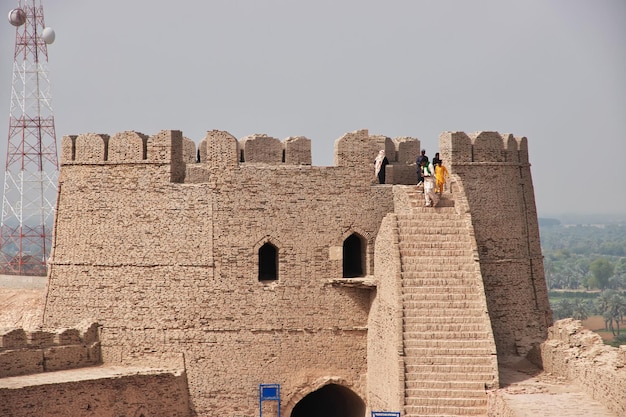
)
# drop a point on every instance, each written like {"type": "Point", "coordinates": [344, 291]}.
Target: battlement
{"type": "Point", "coordinates": [123, 147]}
{"type": "Point", "coordinates": [28, 352]}
{"type": "Point", "coordinates": [457, 148]}
{"type": "Point", "coordinates": [220, 147]}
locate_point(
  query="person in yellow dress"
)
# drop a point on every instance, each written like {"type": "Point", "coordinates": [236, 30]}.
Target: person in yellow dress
{"type": "Point", "coordinates": [441, 176]}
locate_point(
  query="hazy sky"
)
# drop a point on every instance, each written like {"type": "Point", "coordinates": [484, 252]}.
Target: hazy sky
{"type": "Point", "coordinates": [551, 70]}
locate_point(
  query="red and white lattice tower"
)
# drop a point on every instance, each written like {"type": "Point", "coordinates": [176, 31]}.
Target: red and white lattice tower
{"type": "Point", "coordinates": [32, 167]}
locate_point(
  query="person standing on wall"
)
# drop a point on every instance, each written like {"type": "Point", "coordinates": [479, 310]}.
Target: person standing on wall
{"type": "Point", "coordinates": [380, 163]}
{"type": "Point", "coordinates": [436, 160]}
{"type": "Point", "coordinates": [441, 175]}
{"type": "Point", "coordinates": [428, 175]}
{"type": "Point", "coordinates": [422, 157]}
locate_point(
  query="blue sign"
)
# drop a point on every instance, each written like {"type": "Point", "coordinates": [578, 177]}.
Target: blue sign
{"type": "Point", "coordinates": [269, 392]}
{"type": "Point", "coordinates": [385, 414]}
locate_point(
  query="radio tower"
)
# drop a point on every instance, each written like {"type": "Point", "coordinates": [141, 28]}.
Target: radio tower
{"type": "Point", "coordinates": [32, 166]}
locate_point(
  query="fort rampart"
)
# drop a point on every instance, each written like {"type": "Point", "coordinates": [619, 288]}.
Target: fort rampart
{"type": "Point", "coordinates": [495, 172]}
{"type": "Point", "coordinates": [237, 254]}
{"type": "Point", "coordinates": [580, 356]}
{"type": "Point", "coordinates": [33, 351]}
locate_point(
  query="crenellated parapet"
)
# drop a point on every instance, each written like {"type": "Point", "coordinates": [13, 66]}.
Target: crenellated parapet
{"type": "Point", "coordinates": [406, 150]}
{"type": "Point", "coordinates": [220, 149]}
{"type": "Point", "coordinates": [359, 148]}
{"type": "Point", "coordinates": [27, 352]}
{"type": "Point", "coordinates": [166, 148]}
{"type": "Point", "coordinates": [457, 148]}
{"type": "Point", "coordinates": [126, 147]}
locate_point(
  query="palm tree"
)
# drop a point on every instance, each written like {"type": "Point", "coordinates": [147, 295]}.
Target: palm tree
{"type": "Point", "coordinates": [602, 305]}
{"type": "Point", "coordinates": [612, 306]}
{"type": "Point", "coordinates": [580, 309]}
{"type": "Point", "coordinates": [616, 310]}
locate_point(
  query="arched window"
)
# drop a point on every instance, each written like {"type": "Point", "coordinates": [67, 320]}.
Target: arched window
{"type": "Point", "coordinates": [353, 256]}
{"type": "Point", "coordinates": [268, 262]}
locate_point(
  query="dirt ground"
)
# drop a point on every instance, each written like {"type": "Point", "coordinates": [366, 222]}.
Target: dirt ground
{"type": "Point", "coordinates": [21, 307]}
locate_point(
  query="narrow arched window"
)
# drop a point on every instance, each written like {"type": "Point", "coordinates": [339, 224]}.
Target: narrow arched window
{"type": "Point", "coordinates": [353, 256]}
{"type": "Point", "coordinates": [268, 262]}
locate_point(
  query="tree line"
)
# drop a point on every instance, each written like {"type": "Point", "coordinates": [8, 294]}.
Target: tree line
{"type": "Point", "coordinates": [585, 270]}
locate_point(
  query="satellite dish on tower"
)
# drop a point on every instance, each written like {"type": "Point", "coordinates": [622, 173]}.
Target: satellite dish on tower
{"type": "Point", "coordinates": [48, 35]}
{"type": "Point", "coordinates": [17, 17]}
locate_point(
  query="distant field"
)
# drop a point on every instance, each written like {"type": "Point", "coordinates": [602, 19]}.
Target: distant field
{"type": "Point", "coordinates": [596, 324]}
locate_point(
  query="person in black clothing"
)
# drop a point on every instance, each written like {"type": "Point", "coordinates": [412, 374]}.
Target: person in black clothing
{"type": "Point", "coordinates": [436, 159]}
{"type": "Point", "coordinates": [418, 162]}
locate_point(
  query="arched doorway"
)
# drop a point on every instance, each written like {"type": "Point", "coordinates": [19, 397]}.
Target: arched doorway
{"type": "Point", "coordinates": [331, 400]}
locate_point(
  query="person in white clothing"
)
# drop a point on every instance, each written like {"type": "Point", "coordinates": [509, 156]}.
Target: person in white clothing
{"type": "Point", "coordinates": [428, 173]}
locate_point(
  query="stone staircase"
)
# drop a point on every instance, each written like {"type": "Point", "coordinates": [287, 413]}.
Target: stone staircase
{"type": "Point", "coordinates": [450, 355]}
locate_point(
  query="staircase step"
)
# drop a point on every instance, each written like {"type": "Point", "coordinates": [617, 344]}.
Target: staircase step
{"type": "Point", "coordinates": [441, 255]}
{"type": "Point", "coordinates": [447, 344]}
{"type": "Point", "coordinates": [433, 241]}
{"type": "Point", "coordinates": [476, 369]}
{"type": "Point", "coordinates": [448, 401]}
{"type": "Point", "coordinates": [443, 411]}
{"type": "Point", "coordinates": [458, 287]}
{"type": "Point", "coordinates": [439, 296]}
{"type": "Point", "coordinates": [448, 306]}
{"type": "Point", "coordinates": [445, 385]}
{"type": "Point", "coordinates": [411, 334]}
{"type": "Point", "coordinates": [448, 320]}
{"type": "Point", "coordinates": [445, 393]}
{"type": "Point", "coordinates": [446, 352]}
{"type": "Point", "coordinates": [430, 229]}
{"type": "Point", "coordinates": [426, 269]}
{"type": "Point", "coordinates": [417, 325]}
{"type": "Point", "coordinates": [485, 378]}
{"type": "Point", "coordinates": [441, 280]}
{"type": "Point", "coordinates": [444, 360]}
{"type": "Point", "coordinates": [428, 260]}
{"type": "Point", "coordinates": [428, 310]}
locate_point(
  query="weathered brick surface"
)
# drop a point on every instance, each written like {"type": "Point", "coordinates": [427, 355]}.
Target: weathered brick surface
{"type": "Point", "coordinates": [96, 392]}
{"type": "Point", "coordinates": [48, 350]}
{"type": "Point", "coordinates": [164, 254]}
{"type": "Point", "coordinates": [495, 173]}
{"type": "Point", "coordinates": [59, 358]}
{"type": "Point", "coordinates": [20, 362]}
{"type": "Point", "coordinates": [579, 355]}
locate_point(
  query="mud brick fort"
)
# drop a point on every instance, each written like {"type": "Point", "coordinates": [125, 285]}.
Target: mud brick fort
{"type": "Point", "coordinates": [183, 280]}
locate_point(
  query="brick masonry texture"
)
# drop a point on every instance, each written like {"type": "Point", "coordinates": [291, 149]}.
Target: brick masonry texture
{"type": "Point", "coordinates": [163, 252]}
{"type": "Point", "coordinates": [582, 357]}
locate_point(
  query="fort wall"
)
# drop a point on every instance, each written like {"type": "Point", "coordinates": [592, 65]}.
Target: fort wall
{"type": "Point", "coordinates": [384, 342]}
{"type": "Point", "coordinates": [97, 393]}
{"type": "Point", "coordinates": [580, 356]}
{"type": "Point", "coordinates": [34, 351]}
{"type": "Point", "coordinates": [166, 265]}
{"type": "Point", "coordinates": [496, 177]}
{"type": "Point", "coordinates": [165, 253]}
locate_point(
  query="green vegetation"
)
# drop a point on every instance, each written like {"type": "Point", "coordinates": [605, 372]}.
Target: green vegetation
{"type": "Point", "coordinates": [585, 269]}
